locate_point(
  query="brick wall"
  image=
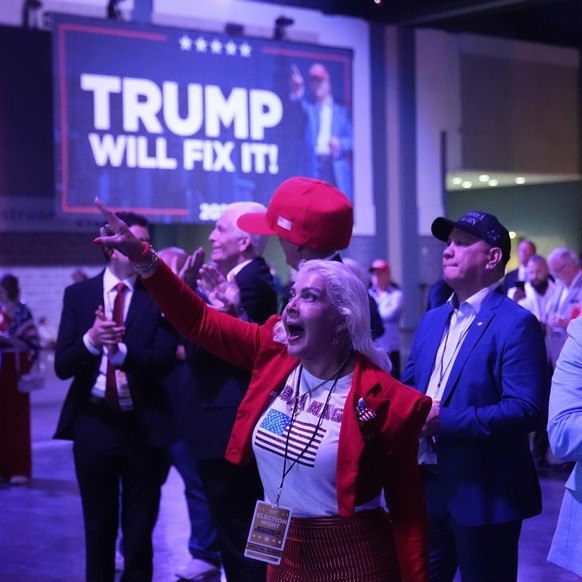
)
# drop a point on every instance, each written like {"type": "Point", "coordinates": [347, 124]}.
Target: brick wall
{"type": "Point", "coordinates": [44, 264]}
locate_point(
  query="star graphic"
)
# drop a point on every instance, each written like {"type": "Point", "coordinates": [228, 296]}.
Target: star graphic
{"type": "Point", "coordinates": [185, 42]}
{"type": "Point", "coordinates": [245, 50]}
{"type": "Point", "coordinates": [216, 46]}
{"type": "Point", "coordinates": [201, 45]}
{"type": "Point", "coordinates": [230, 48]}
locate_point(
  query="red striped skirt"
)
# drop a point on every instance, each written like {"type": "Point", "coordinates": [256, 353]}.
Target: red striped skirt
{"type": "Point", "coordinates": [328, 549]}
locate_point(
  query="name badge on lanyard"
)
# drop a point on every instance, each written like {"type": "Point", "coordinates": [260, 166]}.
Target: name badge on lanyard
{"type": "Point", "coordinates": [268, 533]}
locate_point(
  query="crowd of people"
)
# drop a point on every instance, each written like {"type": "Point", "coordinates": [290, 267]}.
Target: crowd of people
{"type": "Point", "coordinates": [308, 451]}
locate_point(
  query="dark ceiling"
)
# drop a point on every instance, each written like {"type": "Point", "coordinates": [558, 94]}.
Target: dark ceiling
{"type": "Point", "coordinates": [556, 22]}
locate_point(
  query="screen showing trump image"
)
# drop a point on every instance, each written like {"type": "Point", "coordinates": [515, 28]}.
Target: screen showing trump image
{"type": "Point", "coordinates": [178, 122]}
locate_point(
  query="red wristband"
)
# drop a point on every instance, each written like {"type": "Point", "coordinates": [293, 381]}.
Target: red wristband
{"type": "Point", "coordinates": [137, 258]}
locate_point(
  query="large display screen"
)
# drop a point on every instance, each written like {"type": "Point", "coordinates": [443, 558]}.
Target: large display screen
{"type": "Point", "coordinates": [176, 123]}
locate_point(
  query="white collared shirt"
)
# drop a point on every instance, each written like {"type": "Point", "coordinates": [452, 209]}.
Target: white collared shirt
{"type": "Point", "coordinates": [110, 282]}
{"type": "Point", "coordinates": [324, 133]}
{"type": "Point", "coordinates": [230, 276]}
{"type": "Point", "coordinates": [452, 339]}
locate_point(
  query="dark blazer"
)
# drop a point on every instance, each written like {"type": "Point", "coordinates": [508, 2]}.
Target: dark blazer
{"type": "Point", "coordinates": [496, 394]}
{"type": "Point", "coordinates": [510, 280]}
{"type": "Point", "coordinates": [210, 390]}
{"type": "Point", "coordinates": [151, 350]}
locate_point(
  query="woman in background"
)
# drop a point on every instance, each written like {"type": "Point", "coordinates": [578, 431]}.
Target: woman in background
{"type": "Point", "coordinates": [19, 346]}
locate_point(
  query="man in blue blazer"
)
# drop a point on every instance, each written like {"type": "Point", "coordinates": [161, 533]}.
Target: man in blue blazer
{"type": "Point", "coordinates": [482, 359]}
{"type": "Point", "coordinates": [328, 134]}
{"type": "Point", "coordinates": [116, 411]}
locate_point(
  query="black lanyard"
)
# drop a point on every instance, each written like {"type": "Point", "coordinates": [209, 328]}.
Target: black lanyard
{"type": "Point", "coordinates": [294, 414]}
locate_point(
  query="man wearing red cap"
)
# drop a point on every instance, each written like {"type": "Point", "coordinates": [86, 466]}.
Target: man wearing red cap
{"type": "Point", "coordinates": [390, 301]}
{"type": "Point", "coordinates": [313, 220]}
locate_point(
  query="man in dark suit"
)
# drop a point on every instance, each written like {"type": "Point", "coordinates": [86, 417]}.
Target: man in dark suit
{"type": "Point", "coordinates": [482, 359]}
{"type": "Point", "coordinates": [211, 390]}
{"type": "Point", "coordinates": [525, 250]}
{"type": "Point", "coordinates": [115, 344]}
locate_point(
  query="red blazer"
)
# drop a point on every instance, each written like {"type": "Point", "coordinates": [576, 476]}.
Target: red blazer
{"type": "Point", "coordinates": [372, 456]}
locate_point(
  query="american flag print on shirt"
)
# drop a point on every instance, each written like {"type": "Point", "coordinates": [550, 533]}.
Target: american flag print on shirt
{"type": "Point", "coordinates": [276, 427]}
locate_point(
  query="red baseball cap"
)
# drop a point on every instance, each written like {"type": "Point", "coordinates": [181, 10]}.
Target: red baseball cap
{"type": "Point", "coordinates": [379, 265]}
{"type": "Point", "coordinates": [306, 212]}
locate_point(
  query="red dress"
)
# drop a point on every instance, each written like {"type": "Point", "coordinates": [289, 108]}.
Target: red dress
{"type": "Point", "coordinates": [15, 445]}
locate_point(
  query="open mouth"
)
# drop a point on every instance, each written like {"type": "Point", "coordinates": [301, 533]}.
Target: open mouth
{"type": "Point", "coordinates": [294, 332]}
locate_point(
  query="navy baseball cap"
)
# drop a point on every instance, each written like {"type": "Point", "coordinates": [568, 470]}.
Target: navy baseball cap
{"type": "Point", "coordinates": [480, 224]}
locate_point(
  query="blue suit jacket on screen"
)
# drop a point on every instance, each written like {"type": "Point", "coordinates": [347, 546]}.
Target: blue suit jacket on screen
{"type": "Point", "coordinates": [496, 394]}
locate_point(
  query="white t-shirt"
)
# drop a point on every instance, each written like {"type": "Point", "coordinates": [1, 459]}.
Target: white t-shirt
{"type": "Point", "coordinates": [304, 447]}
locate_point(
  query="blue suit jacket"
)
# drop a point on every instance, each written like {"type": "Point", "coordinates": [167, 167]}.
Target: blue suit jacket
{"type": "Point", "coordinates": [496, 394]}
{"type": "Point", "coordinates": [341, 127]}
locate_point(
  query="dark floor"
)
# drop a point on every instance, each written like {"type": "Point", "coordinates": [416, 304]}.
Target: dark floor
{"type": "Point", "coordinates": [41, 530]}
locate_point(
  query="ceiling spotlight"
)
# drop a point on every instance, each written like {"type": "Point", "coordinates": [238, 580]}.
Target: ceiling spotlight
{"type": "Point", "coordinates": [281, 25]}
{"type": "Point", "coordinates": [493, 182]}
{"type": "Point", "coordinates": [520, 180]}
{"type": "Point", "coordinates": [467, 184]}
{"type": "Point", "coordinates": [457, 180]}
{"type": "Point", "coordinates": [483, 178]}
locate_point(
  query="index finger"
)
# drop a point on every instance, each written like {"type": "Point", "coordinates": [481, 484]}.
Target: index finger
{"type": "Point", "coordinates": [109, 215]}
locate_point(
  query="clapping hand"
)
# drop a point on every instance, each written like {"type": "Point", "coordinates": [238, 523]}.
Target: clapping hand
{"type": "Point", "coordinates": [105, 332]}
{"type": "Point", "coordinates": [190, 271]}
{"type": "Point", "coordinates": [222, 294]}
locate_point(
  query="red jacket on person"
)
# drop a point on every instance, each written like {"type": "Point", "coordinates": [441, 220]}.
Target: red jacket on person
{"type": "Point", "coordinates": [372, 456]}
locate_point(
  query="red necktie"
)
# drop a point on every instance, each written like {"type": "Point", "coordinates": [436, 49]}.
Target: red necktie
{"type": "Point", "coordinates": [111, 396]}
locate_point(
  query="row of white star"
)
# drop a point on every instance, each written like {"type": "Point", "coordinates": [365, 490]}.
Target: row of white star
{"type": "Point", "coordinates": [215, 46]}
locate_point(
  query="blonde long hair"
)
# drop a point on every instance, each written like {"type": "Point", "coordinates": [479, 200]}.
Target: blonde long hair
{"type": "Point", "coordinates": [351, 301]}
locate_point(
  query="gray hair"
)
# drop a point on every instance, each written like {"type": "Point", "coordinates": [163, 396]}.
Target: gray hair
{"type": "Point", "coordinates": [237, 209]}
{"type": "Point", "coordinates": [564, 255]}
